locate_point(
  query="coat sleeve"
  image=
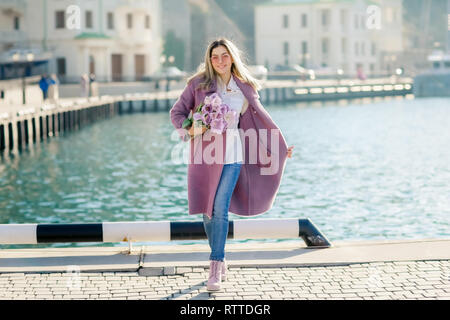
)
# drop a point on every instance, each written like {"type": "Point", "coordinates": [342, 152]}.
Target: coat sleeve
{"type": "Point", "coordinates": [180, 110]}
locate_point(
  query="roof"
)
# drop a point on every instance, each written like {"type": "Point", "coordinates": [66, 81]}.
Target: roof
{"type": "Point", "coordinates": [92, 35]}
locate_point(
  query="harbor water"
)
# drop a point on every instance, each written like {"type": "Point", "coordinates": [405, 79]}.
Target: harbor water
{"type": "Point", "coordinates": [361, 170]}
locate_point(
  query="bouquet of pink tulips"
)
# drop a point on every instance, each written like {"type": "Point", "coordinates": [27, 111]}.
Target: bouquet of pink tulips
{"type": "Point", "coordinates": [212, 114]}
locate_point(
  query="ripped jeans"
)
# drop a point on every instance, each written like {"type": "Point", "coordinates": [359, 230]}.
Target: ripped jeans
{"type": "Point", "coordinates": [216, 228]}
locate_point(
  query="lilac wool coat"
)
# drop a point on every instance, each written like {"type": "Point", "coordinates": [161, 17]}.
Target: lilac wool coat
{"type": "Point", "coordinates": [264, 156]}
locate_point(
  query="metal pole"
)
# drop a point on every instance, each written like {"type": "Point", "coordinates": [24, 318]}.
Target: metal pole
{"type": "Point", "coordinates": [161, 231]}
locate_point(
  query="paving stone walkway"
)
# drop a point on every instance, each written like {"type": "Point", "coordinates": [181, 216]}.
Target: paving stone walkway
{"type": "Point", "coordinates": [381, 280]}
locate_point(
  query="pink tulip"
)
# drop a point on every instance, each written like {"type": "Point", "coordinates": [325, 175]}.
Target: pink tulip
{"type": "Point", "coordinates": [223, 109]}
{"type": "Point", "coordinates": [216, 101]}
{"type": "Point", "coordinates": [217, 126]}
{"type": "Point", "coordinates": [197, 116]}
{"type": "Point", "coordinates": [206, 118]}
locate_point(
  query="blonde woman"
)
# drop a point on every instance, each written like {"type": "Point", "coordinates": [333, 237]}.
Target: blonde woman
{"type": "Point", "coordinates": [235, 183]}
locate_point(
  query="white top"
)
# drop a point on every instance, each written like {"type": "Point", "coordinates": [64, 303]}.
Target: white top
{"type": "Point", "coordinates": [235, 99]}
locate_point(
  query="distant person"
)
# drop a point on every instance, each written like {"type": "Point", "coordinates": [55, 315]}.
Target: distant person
{"type": "Point", "coordinates": [53, 90]}
{"type": "Point", "coordinates": [43, 85]}
{"type": "Point", "coordinates": [217, 186]}
{"type": "Point", "coordinates": [93, 86]}
{"type": "Point", "coordinates": [84, 85]}
{"type": "Point", "coordinates": [360, 73]}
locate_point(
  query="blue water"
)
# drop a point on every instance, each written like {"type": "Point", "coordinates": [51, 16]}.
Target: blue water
{"type": "Point", "coordinates": [361, 170]}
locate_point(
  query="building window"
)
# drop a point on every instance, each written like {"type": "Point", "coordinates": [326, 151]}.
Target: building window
{"type": "Point", "coordinates": [373, 49]}
{"type": "Point", "coordinates": [60, 20]}
{"type": "Point", "coordinates": [88, 22]}
{"type": "Point", "coordinates": [325, 44]}
{"type": "Point", "coordinates": [129, 21]}
{"type": "Point", "coordinates": [356, 48]}
{"type": "Point", "coordinates": [344, 46]}
{"type": "Point", "coordinates": [286, 48]}
{"type": "Point", "coordinates": [147, 22]}
{"type": "Point", "coordinates": [304, 20]}
{"type": "Point", "coordinates": [61, 66]}
{"type": "Point", "coordinates": [363, 48]}
{"type": "Point", "coordinates": [344, 19]}
{"type": "Point", "coordinates": [356, 21]}
{"type": "Point", "coordinates": [16, 23]}
{"type": "Point", "coordinates": [304, 47]}
{"type": "Point", "coordinates": [285, 21]}
{"type": "Point", "coordinates": [325, 17]}
{"type": "Point", "coordinates": [110, 19]}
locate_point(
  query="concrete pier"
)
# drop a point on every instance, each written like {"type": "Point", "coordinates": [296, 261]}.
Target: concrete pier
{"type": "Point", "coordinates": [407, 269]}
{"type": "Point", "coordinates": [314, 90]}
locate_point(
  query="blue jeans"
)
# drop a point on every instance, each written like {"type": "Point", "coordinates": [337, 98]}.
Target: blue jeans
{"type": "Point", "coordinates": [216, 228]}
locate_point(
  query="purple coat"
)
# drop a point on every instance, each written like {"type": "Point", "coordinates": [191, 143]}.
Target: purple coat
{"type": "Point", "coordinates": [264, 156]}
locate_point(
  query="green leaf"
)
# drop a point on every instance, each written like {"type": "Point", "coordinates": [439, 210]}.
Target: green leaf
{"type": "Point", "coordinates": [186, 123]}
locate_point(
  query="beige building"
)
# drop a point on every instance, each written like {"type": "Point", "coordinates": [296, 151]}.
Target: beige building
{"type": "Point", "coordinates": [114, 39]}
{"type": "Point", "coordinates": [329, 34]}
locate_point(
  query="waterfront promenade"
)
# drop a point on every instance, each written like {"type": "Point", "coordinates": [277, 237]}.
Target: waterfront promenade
{"type": "Point", "coordinates": [407, 269]}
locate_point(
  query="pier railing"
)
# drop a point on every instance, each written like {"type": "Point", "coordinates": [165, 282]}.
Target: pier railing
{"type": "Point", "coordinates": [28, 125]}
{"type": "Point", "coordinates": [143, 231]}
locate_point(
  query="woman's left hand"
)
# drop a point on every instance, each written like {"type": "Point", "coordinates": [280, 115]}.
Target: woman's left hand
{"type": "Point", "coordinates": [289, 151]}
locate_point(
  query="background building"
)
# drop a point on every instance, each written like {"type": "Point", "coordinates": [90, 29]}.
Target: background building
{"type": "Point", "coordinates": [194, 23]}
{"type": "Point", "coordinates": [329, 34]}
{"type": "Point", "coordinates": [114, 39]}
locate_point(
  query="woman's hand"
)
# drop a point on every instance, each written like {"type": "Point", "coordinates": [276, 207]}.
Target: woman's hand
{"type": "Point", "coordinates": [192, 132]}
{"type": "Point", "coordinates": [289, 151]}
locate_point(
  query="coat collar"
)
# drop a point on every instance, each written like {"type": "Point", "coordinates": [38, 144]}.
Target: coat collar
{"type": "Point", "coordinates": [249, 92]}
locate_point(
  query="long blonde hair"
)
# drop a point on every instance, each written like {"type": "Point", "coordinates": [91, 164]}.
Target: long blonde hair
{"type": "Point", "coordinates": [238, 68]}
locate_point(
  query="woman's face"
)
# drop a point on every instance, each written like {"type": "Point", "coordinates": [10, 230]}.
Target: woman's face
{"type": "Point", "coordinates": [221, 60]}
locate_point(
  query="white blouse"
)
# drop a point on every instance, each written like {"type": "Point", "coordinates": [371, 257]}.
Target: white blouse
{"type": "Point", "coordinates": [235, 99]}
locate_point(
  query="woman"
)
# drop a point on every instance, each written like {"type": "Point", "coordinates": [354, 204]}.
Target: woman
{"type": "Point", "coordinates": [239, 180]}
